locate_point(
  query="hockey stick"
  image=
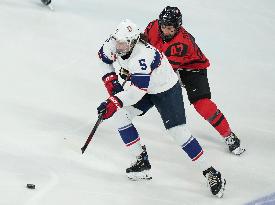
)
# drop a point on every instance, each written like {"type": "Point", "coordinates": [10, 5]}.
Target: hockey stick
{"type": "Point", "coordinates": [99, 120]}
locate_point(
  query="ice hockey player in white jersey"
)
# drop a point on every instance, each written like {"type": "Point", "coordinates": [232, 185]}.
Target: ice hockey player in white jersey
{"type": "Point", "coordinates": [153, 83]}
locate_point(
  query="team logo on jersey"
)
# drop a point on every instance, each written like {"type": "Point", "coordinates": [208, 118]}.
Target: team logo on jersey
{"type": "Point", "coordinates": [129, 28]}
{"type": "Point", "coordinates": [176, 49]}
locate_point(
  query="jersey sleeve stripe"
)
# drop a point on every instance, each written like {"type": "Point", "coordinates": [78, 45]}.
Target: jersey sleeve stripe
{"type": "Point", "coordinates": [103, 57]}
{"type": "Point", "coordinates": [140, 80]}
{"type": "Point", "coordinates": [157, 60]}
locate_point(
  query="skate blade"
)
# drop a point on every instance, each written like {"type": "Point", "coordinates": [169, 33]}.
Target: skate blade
{"type": "Point", "coordinates": [136, 176]}
{"type": "Point", "coordinates": [221, 192]}
{"type": "Point", "coordinates": [238, 151]}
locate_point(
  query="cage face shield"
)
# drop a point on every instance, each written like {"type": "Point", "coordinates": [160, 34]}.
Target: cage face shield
{"type": "Point", "coordinates": [168, 32]}
{"type": "Point", "coordinates": [122, 47]}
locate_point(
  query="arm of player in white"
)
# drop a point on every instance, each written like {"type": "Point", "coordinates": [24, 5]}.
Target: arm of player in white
{"type": "Point", "coordinates": [131, 96]}
{"type": "Point", "coordinates": [107, 57]}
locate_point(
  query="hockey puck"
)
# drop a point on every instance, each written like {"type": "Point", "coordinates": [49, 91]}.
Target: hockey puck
{"type": "Point", "coordinates": [30, 186]}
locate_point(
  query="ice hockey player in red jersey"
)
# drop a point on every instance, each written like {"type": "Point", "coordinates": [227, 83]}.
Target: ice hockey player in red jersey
{"type": "Point", "coordinates": [167, 35]}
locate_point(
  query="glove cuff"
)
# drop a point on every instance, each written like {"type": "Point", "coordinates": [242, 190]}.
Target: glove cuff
{"type": "Point", "coordinates": [109, 77]}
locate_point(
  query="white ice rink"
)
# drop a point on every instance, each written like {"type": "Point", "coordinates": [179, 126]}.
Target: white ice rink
{"type": "Point", "coordinates": [50, 88]}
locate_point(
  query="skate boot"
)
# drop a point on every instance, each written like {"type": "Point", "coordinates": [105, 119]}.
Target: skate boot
{"type": "Point", "coordinates": [233, 143]}
{"type": "Point", "coordinates": [215, 181]}
{"type": "Point", "coordinates": [140, 169]}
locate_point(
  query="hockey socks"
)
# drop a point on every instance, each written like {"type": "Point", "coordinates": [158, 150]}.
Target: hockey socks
{"type": "Point", "coordinates": [209, 111]}
{"type": "Point", "coordinates": [192, 148]}
{"type": "Point", "coordinates": [188, 143]}
{"type": "Point", "coordinates": [131, 139]}
{"type": "Point", "coordinates": [195, 152]}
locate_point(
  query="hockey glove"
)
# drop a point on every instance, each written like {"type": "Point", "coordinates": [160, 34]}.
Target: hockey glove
{"type": "Point", "coordinates": [111, 83]}
{"type": "Point", "coordinates": [109, 107]}
{"type": "Point", "coordinates": [123, 73]}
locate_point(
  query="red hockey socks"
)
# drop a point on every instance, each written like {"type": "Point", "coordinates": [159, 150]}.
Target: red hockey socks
{"type": "Point", "coordinates": [209, 111]}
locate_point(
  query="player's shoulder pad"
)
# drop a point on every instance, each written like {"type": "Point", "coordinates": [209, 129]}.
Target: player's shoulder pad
{"type": "Point", "coordinates": [183, 34]}
{"type": "Point", "coordinates": [107, 51]}
{"type": "Point", "coordinates": [145, 59]}
{"type": "Point", "coordinates": [151, 24]}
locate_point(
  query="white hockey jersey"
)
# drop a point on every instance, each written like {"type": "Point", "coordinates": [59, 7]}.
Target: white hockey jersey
{"type": "Point", "coordinates": [150, 70]}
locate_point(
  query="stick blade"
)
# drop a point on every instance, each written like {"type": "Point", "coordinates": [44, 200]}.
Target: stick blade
{"type": "Point", "coordinates": [83, 149]}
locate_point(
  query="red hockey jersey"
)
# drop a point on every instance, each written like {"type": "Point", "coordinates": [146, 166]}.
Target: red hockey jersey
{"type": "Point", "coordinates": [182, 51]}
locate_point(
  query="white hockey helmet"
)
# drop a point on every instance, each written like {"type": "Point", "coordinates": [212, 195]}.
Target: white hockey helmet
{"type": "Point", "coordinates": [126, 36]}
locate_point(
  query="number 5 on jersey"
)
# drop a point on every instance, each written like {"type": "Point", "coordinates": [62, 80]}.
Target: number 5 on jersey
{"type": "Point", "coordinates": [142, 64]}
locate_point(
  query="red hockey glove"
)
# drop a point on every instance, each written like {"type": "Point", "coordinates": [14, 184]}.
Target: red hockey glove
{"type": "Point", "coordinates": [111, 83]}
{"type": "Point", "coordinates": [109, 107]}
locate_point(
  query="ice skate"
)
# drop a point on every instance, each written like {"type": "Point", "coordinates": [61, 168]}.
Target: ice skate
{"type": "Point", "coordinates": [140, 169]}
{"type": "Point", "coordinates": [233, 143]}
{"type": "Point", "coordinates": [215, 181]}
